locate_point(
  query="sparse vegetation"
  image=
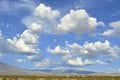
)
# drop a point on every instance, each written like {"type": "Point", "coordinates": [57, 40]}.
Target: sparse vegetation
{"type": "Point", "coordinates": [57, 77]}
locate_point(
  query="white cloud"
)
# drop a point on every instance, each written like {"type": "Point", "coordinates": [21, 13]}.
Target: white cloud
{"type": "Point", "coordinates": [74, 48]}
{"type": "Point", "coordinates": [79, 62]}
{"type": "Point", "coordinates": [21, 60]}
{"type": "Point", "coordinates": [46, 12]}
{"type": "Point", "coordinates": [19, 46]}
{"type": "Point", "coordinates": [41, 15]}
{"type": "Point", "coordinates": [45, 62]}
{"type": "Point", "coordinates": [24, 43]}
{"type": "Point", "coordinates": [76, 62]}
{"type": "Point", "coordinates": [115, 29]}
{"type": "Point", "coordinates": [35, 28]}
{"type": "Point", "coordinates": [88, 62]}
{"type": "Point", "coordinates": [77, 21]}
{"type": "Point", "coordinates": [28, 40]}
{"type": "Point", "coordinates": [88, 50]}
{"type": "Point", "coordinates": [96, 49]}
{"type": "Point", "coordinates": [58, 50]}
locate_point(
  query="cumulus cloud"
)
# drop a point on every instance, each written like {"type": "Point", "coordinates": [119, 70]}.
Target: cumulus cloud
{"type": "Point", "coordinates": [74, 48]}
{"type": "Point", "coordinates": [21, 47]}
{"type": "Point", "coordinates": [88, 62]}
{"type": "Point", "coordinates": [35, 28]}
{"type": "Point", "coordinates": [79, 62]}
{"type": "Point", "coordinates": [26, 42]}
{"type": "Point", "coordinates": [115, 29]}
{"type": "Point", "coordinates": [29, 38]}
{"type": "Point", "coordinates": [58, 50]}
{"type": "Point", "coordinates": [96, 49]}
{"type": "Point", "coordinates": [72, 54]}
{"type": "Point", "coordinates": [46, 12]}
{"type": "Point", "coordinates": [77, 21]}
{"type": "Point", "coordinates": [41, 15]}
{"type": "Point", "coordinates": [76, 62]}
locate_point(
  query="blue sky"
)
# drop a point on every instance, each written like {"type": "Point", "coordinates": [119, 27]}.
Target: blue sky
{"type": "Point", "coordinates": [78, 34]}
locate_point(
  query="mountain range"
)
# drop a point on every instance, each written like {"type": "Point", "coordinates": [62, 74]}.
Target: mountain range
{"type": "Point", "coordinates": [66, 71]}
{"type": "Point", "coordinates": [10, 69]}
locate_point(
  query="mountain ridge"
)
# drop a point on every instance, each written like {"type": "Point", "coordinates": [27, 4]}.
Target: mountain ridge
{"type": "Point", "coordinates": [6, 69]}
{"type": "Point", "coordinates": [66, 71]}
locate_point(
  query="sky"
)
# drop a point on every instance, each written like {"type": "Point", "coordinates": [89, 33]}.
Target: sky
{"type": "Point", "coordinates": [56, 34]}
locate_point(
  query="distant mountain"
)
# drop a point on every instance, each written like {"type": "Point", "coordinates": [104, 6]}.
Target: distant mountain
{"type": "Point", "coordinates": [9, 69]}
{"type": "Point", "coordinates": [66, 71]}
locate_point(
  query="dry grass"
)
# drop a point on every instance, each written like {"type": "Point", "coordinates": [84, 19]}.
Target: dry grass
{"type": "Point", "coordinates": [56, 77]}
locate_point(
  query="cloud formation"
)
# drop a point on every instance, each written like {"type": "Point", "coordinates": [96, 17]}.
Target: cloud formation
{"type": "Point", "coordinates": [96, 49]}
{"type": "Point", "coordinates": [88, 62]}
{"type": "Point", "coordinates": [79, 62]}
{"type": "Point", "coordinates": [45, 12]}
{"type": "Point", "coordinates": [77, 21]}
{"type": "Point", "coordinates": [76, 62]}
{"type": "Point", "coordinates": [115, 29]}
{"type": "Point", "coordinates": [26, 42]}
{"type": "Point", "coordinates": [73, 54]}
{"type": "Point", "coordinates": [58, 50]}
{"type": "Point", "coordinates": [44, 16]}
